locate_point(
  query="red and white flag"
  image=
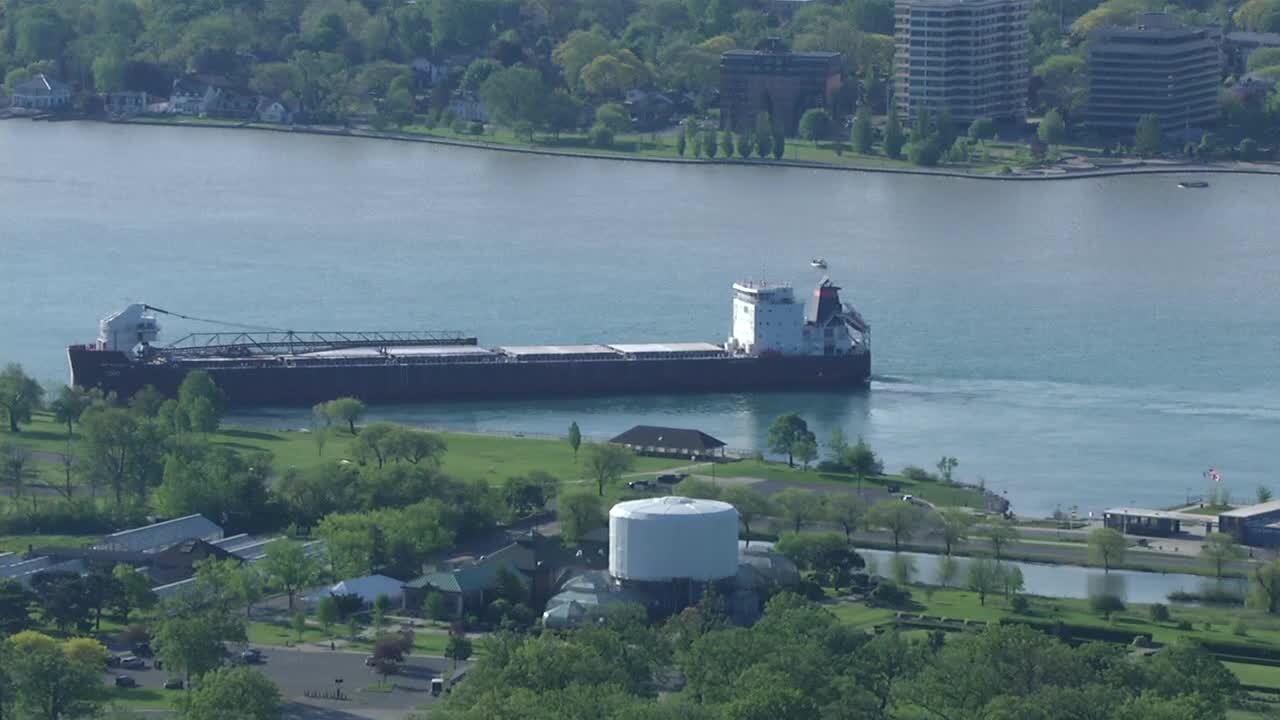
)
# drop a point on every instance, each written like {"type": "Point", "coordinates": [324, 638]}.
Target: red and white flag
{"type": "Point", "coordinates": [1213, 475]}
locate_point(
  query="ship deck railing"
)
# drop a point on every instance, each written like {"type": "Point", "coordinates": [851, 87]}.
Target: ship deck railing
{"type": "Point", "coordinates": [295, 342]}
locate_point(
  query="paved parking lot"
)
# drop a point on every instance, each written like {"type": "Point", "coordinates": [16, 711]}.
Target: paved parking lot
{"type": "Point", "coordinates": [299, 672]}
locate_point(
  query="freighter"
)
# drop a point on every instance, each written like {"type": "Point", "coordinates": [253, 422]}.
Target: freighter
{"type": "Point", "coordinates": [776, 343]}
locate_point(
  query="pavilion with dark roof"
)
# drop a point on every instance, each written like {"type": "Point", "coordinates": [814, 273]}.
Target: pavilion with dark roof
{"type": "Point", "coordinates": [670, 442]}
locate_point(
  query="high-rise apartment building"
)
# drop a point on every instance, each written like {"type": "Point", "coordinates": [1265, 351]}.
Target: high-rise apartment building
{"type": "Point", "coordinates": [1155, 67]}
{"type": "Point", "coordinates": [966, 55]}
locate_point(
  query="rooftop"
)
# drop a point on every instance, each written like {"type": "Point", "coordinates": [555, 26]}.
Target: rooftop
{"type": "Point", "coordinates": [670, 505]}
{"type": "Point", "coordinates": [655, 436]}
{"type": "Point", "coordinates": [1253, 510]}
{"type": "Point", "coordinates": [667, 348]}
{"type": "Point", "coordinates": [1158, 514]}
{"type": "Point", "coordinates": [160, 535]}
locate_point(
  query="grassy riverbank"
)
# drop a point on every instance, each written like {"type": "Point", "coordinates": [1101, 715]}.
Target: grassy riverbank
{"type": "Point", "coordinates": [994, 160]}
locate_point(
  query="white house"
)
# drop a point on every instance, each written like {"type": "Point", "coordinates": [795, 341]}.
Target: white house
{"type": "Point", "coordinates": [42, 93]}
{"type": "Point", "coordinates": [469, 107]}
{"type": "Point", "coordinates": [274, 111]}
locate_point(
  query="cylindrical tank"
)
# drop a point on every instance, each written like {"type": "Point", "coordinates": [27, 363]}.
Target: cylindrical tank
{"type": "Point", "coordinates": [673, 538]}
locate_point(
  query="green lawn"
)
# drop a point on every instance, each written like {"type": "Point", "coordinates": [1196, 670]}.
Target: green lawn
{"type": "Point", "coordinates": [1260, 675]}
{"type": "Point", "coordinates": [140, 698]}
{"type": "Point", "coordinates": [934, 492]}
{"type": "Point", "coordinates": [268, 633]}
{"type": "Point", "coordinates": [19, 543]}
{"type": "Point", "coordinates": [1261, 630]}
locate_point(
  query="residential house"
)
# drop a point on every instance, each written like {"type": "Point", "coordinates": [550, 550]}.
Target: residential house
{"type": "Point", "coordinates": [271, 110]}
{"type": "Point", "coordinates": [367, 588]}
{"type": "Point", "coordinates": [125, 103]}
{"type": "Point", "coordinates": [467, 586]}
{"type": "Point", "coordinates": [42, 93]}
{"type": "Point", "coordinates": [648, 110]}
{"type": "Point", "coordinates": [468, 106]}
{"type": "Point", "coordinates": [212, 96]}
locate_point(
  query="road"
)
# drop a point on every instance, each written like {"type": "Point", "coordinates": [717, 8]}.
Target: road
{"type": "Point", "coordinates": [299, 672]}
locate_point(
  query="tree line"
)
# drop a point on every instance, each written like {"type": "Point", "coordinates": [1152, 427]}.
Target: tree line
{"type": "Point", "coordinates": [799, 661]}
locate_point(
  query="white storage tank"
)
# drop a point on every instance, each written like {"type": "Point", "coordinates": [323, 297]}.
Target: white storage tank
{"type": "Point", "coordinates": [673, 538]}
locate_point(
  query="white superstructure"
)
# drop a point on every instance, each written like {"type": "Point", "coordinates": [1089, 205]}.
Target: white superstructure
{"type": "Point", "coordinates": [767, 320]}
{"type": "Point", "coordinates": [673, 538]}
{"type": "Point", "coordinates": [127, 329]}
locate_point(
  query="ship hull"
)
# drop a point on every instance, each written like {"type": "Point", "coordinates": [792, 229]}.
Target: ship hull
{"type": "Point", "coordinates": [249, 384]}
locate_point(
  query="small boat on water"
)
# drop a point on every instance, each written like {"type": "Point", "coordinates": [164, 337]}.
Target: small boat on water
{"type": "Point", "coordinates": [818, 263]}
{"type": "Point", "coordinates": [1185, 184]}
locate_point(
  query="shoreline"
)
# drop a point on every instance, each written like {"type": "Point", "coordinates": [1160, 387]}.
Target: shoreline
{"type": "Point", "coordinates": [1161, 168]}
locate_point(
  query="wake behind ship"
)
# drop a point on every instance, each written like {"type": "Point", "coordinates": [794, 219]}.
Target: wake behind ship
{"type": "Point", "coordinates": [776, 343]}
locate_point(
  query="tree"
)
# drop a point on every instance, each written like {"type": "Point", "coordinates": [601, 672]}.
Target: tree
{"type": "Point", "coordinates": [861, 133]}
{"type": "Point", "coordinates": [252, 695]}
{"type": "Point", "coordinates": [1148, 137]}
{"type": "Point", "coordinates": [526, 494]}
{"type": "Point", "coordinates": [815, 124]}
{"type": "Point", "coordinates": [1011, 579]}
{"type": "Point", "coordinates": [16, 470]}
{"type": "Point", "coordinates": [515, 94]}
{"type": "Point", "coordinates": [681, 144]}
{"type": "Point", "coordinates": [607, 462]}
{"type": "Point", "coordinates": [1052, 129]}
{"type": "Point", "coordinates": [64, 600]}
{"type": "Point", "coordinates": [893, 137]}
{"type": "Point", "coordinates": [133, 592]}
{"type": "Point", "coordinates": [298, 622]}
{"type": "Point", "coordinates": [579, 514]}
{"type": "Point", "coordinates": [982, 129]}
{"type": "Point", "coordinates": [902, 568]}
{"type": "Point", "coordinates": [201, 400]}
{"type": "Point", "coordinates": [433, 605]}
{"type": "Point", "coordinates": [785, 432]}
{"type": "Point", "coordinates": [947, 466]}
{"type": "Point", "coordinates": [984, 578]}
{"type": "Point", "coordinates": [779, 142]}
{"type": "Point", "coordinates": [575, 437]}
{"type": "Point", "coordinates": [726, 144]}
{"type": "Point", "coordinates": [327, 613]}
{"type": "Point", "coordinates": [1266, 586]}
{"type": "Point", "coordinates": [458, 648]}
{"type": "Point", "coordinates": [49, 685]}
{"type": "Point", "coordinates": [849, 510]}
{"type": "Point", "coordinates": [862, 461]}
{"type": "Point", "coordinates": [750, 505]}
{"type": "Point", "coordinates": [1064, 84]}
{"type": "Point", "coordinates": [899, 517]}
{"type": "Point", "coordinates": [948, 569]}
{"type": "Point", "coordinates": [86, 652]}
{"type": "Point", "coordinates": [925, 151]}
{"type": "Point", "coordinates": [192, 642]}
{"type": "Point", "coordinates": [348, 410]}
{"type": "Point", "coordinates": [710, 145]}
{"type": "Point", "coordinates": [1107, 547]}
{"type": "Point", "coordinates": [15, 607]}
{"type": "Point", "coordinates": [745, 144]}
{"type": "Point", "coordinates": [999, 533]}
{"type": "Point", "coordinates": [954, 524]}
{"type": "Point", "coordinates": [764, 135]}
{"type": "Point", "coordinates": [1263, 493]}
{"type": "Point", "coordinates": [798, 506]}
{"type": "Point", "coordinates": [20, 394]}
{"type": "Point", "coordinates": [287, 566]}
{"type": "Point", "coordinates": [1105, 604]}
{"type": "Point", "coordinates": [70, 405]}
{"type": "Point", "coordinates": [806, 450]}
{"type": "Point", "coordinates": [1218, 549]}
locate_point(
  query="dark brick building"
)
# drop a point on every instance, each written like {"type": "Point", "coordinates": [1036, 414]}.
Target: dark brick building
{"type": "Point", "coordinates": [777, 81]}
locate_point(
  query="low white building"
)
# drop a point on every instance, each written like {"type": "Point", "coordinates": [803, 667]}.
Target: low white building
{"type": "Point", "coordinates": [42, 93]}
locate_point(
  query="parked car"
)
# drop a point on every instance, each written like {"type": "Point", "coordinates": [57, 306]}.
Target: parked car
{"type": "Point", "coordinates": [113, 661]}
{"type": "Point", "coordinates": [143, 650]}
{"type": "Point", "coordinates": [437, 686]}
{"type": "Point", "coordinates": [370, 661]}
{"type": "Point", "coordinates": [640, 484]}
{"type": "Point", "coordinates": [133, 662]}
{"type": "Point", "coordinates": [672, 478]}
{"type": "Point", "coordinates": [251, 656]}
{"type": "Point", "coordinates": [124, 681]}
{"type": "Point", "coordinates": [173, 684]}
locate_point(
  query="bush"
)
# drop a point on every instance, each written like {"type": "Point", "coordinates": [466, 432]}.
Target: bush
{"type": "Point", "coordinates": [888, 594]}
{"type": "Point", "coordinates": [1020, 604]}
{"type": "Point", "coordinates": [459, 126]}
{"type": "Point", "coordinates": [1159, 612]}
{"type": "Point", "coordinates": [600, 136]}
{"type": "Point", "coordinates": [916, 474]}
{"type": "Point", "coordinates": [1240, 629]}
{"type": "Point", "coordinates": [475, 128]}
{"type": "Point", "coordinates": [1185, 626]}
{"type": "Point", "coordinates": [1106, 604]}
{"type": "Point", "coordinates": [77, 517]}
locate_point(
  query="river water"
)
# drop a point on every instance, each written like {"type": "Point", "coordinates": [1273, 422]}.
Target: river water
{"type": "Point", "coordinates": [1088, 343]}
{"type": "Point", "coordinates": [1068, 581]}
